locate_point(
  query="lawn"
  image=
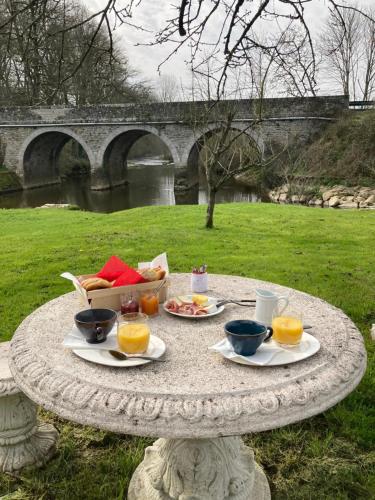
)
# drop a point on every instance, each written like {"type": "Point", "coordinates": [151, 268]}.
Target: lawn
{"type": "Point", "coordinates": [324, 252]}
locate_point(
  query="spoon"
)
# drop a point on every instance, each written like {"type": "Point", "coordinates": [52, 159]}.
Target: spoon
{"type": "Point", "coordinates": [124, 357]}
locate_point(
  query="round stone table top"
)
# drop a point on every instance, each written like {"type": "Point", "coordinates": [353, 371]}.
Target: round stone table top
{"type": "Point", "coordinates": [196, 393]}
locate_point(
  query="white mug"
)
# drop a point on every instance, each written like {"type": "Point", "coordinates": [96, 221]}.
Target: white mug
{"type": "Point", "coordinates": [267, 303]}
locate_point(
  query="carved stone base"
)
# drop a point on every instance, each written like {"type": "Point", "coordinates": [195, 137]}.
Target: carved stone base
{"type": "Point", "coordinates": [199, 469]}
{"type": "Point", "coordinates": [23, 441]}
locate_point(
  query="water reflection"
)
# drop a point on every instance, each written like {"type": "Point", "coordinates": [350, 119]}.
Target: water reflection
{"type": "Point", "coordinates": [149, 183]}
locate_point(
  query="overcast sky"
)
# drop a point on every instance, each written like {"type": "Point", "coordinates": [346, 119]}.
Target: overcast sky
{"type": "Point", "coordinates": [152, 15]}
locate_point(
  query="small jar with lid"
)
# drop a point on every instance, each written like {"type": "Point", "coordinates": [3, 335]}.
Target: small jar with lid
{"type": "Point", "coordinates": [129, 303]}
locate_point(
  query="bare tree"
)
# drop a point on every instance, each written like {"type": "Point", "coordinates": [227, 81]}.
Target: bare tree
{"type": "Point", "coordinates": [295, 70]}
{"type": "Point", "coordinates": [193, 22]}
{"type": "Point", "coordinates": [168, 89]}
{"type": "Point", "coordinates": [238, 22]}
{"type": "Point", "coordinates": [42, 60]}
{"type": "Point", "coordinates": [340, 43]}
{"type": "Point", "coordinates": [368, 84]}
{"type": "Point", "coordinates": [226, 152]}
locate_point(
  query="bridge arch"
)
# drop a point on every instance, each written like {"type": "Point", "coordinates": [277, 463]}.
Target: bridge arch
{"type": "Point", "coordinates": [194, 147]}
{"type": "Point", "coordinates": [115, 148]}
{"type": "Point", "coordinates": [254, 135]}
{"type": "Point", "coordinates": [38, 159]}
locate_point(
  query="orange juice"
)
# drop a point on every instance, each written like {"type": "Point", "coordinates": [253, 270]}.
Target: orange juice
{"type": "Point", "coordinates": [133, 338]}
{"type": "Point", "coordinates": [287, 330]}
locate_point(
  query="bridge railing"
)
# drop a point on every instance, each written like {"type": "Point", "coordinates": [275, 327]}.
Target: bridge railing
{"type": "Point", "coordinates": [361, 105]}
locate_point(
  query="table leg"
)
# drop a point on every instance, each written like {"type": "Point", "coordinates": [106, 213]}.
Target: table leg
{"type": "Point", "coordinates": [23, 441]}
{"type": "Point", "coordinates": [199, 469]}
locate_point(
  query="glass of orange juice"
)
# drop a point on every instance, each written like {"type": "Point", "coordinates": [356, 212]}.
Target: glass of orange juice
{"type": "Point", "coordinates": [133, 333]}
{"type": "Point", "coordinates": [150, 302]}
{"type": "Point", "coordinates": [287, 327]}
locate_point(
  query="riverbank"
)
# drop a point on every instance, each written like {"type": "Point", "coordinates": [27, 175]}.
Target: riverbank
{"type": "Point", "coordinates": [326, 253]}
{"type": "Point", "coordinates": [338, 196]}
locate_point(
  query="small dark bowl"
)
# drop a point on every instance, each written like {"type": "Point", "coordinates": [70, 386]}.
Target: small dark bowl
{"type": "Point", "coordinates": [246, 335]}
{"type": "Point", "coordinates": [95, 324]}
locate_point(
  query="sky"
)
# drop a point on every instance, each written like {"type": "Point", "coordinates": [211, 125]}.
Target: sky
{"type": "Point", "coordinates": [152, 15]}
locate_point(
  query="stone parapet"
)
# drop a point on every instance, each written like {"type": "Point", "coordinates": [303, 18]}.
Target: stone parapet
{"type": "Point", "coordinates": [290, 107]}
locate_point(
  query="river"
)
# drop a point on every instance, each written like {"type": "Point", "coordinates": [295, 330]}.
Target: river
{"type": "Point", "coordinates": [150, 182]}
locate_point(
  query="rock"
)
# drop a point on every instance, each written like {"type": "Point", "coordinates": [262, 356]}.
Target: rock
{"type": "Point", "coordinates": [346, 191]}
{"type": "Point", "coordinates": [371, 200]}
{"type": "Point", "coordinates": [283, 197]}
{"type": "Point", "coordinates": [295, 198]}
{"type": "Point", "coordinates": [316, 202]}
{"type": "Point", "coordinates": [334, 202]}
{"type": "Point", "coordinates": [348, 204]}
{"type": "Point", "coordinates": [366, 191]}
{"type": "Point", "coordinates": [373, 332]}
{"type": "Point", "coordinates": [329, 194]}
{"type": "Point", "coordinates": [340, 191]}
{"type": "Point", "coordinates": [55, 205]}
{"type": "Point", "coordinates": [273, 195]}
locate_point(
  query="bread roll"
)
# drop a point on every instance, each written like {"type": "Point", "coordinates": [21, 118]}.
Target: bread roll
{"type": "Point", "coordinates": [95, 284]}
{"type": "Point", "coordinates": [152, 274]}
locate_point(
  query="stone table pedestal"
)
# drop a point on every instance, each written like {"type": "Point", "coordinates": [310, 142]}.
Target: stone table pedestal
{"type": "Point", "coordinates": [199, 469]}
{"type": "Point", "coordinates": [23, 441]}
{"type": "Point", "coordinates": [197, 403]}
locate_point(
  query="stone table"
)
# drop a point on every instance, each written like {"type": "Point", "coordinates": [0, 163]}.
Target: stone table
{"type": "Point", "coordinates": [197, 402]}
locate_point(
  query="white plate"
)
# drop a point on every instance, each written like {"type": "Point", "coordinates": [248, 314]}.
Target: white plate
{"type": "Point", "coordinates": [271, 353]}
{"type": "Point", "coordinates": [211, 300]}
{"type": "Point", "coordinates": [156, 348]}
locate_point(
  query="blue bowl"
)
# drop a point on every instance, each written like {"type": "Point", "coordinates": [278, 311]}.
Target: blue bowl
{"type": "Point", "coordinates": [246, 335]}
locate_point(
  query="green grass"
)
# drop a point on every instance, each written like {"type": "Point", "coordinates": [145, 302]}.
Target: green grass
{"type": "Point", "coordinates": [323, 252]}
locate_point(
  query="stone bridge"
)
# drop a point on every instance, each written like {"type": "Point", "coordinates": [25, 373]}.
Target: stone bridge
{"type": "Point", "coordinates": [34, 136]}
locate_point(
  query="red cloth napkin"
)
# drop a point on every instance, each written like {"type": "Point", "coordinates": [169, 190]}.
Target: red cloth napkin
{"type": "Point", "coordinates": [112, 269]}
{"type": "Point", "coordinates": [116, 270]}
{"type": "Point", "coordinates": [129, 277]}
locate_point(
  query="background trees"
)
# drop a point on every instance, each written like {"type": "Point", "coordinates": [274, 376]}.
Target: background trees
{"type": "Point", "coordinates": [51, 54]}
{"type": "Point", "coordinates": [347, 45]}
{"type": "Point", "coordinates": [231, 32]}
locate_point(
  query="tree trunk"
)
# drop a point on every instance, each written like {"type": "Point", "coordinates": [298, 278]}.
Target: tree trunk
{"type": "Point", "coordinates": [210, 207]}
